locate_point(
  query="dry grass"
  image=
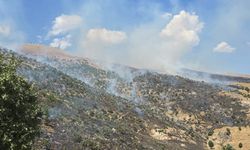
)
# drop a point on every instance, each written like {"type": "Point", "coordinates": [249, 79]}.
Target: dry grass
{"type": "Point", "coordinates": [238, 135]}
{"type": "Point", "coordinates": [169, 133]}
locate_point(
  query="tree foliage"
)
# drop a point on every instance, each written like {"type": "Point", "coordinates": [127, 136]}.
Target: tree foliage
{"type": "Point", "coordinates": [19, 111]}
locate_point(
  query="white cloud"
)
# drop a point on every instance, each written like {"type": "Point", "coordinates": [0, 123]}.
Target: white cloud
{"type": "Point", "coordinates": [184, 28]}
{"type": "Point", "coordinates": [10, 37]}
{"type": "Point", "coordinates": [103, 44]}
{"type": "Point", "coordinates": [166, 15]}
{"type": "Point", "coordinates": [61, 43]}
{"type": "Point", "coordinates": [10, 34]}
{"type": "Point", "coordinates": [177, 38]}
{"type": "Point", "coordinates": [148, 45]}
{"type": "Point", "coordinates": [65, 23]}
{"type": "Point", "coordinates": [223, 47]}
{"type": "Point", "coordinates": [4, 30]}
{"type": "Point", "coordinates": [105, 36]}
{"type": "Point", "coordinates": [164, 52]}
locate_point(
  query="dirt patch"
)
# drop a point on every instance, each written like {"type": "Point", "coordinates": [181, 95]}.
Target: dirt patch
{"type": "Point", "coordinates": [231, 135]}
{"type": "Point", "coordinates": [170, 134]}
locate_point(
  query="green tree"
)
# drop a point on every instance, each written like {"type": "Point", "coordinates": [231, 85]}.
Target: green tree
{"type": "Point", "coordinates": [19, 111]}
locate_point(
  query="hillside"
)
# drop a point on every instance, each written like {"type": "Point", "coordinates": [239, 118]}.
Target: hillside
{"type": "Point", "coordinates": [89, 107]}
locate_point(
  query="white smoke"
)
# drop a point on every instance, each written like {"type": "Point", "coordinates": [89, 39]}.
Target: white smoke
{"type": "Point", "coordinates": [162, 50]}
{"type": "Point", "coordinates": [64, 24]}
{"type": "Point", "coordinates": [149, 46]}
{"type": "Point", "coordinates": [61, 43]}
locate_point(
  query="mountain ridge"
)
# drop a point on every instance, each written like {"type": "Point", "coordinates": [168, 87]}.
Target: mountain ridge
{"type": "Point", "coordinates": [42, 50]}
{"type": "Point", "coordinates": [90, 108]}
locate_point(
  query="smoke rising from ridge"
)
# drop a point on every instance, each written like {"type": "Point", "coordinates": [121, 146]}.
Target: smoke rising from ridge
{"type": "Point", "coordinates": [147, 46]}
{"type": "Point", "coordinates": [162, 35]}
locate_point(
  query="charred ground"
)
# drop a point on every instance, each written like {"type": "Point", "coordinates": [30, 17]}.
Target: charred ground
{"type": "Point", "coordinates": [88, 107]}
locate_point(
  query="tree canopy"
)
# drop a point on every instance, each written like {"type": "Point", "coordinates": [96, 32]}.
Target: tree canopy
{"type": "Point", "coordinates": [19, 111]}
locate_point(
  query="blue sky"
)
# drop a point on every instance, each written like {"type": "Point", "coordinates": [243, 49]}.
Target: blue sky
{"type": "Point", "coordinates": [199, 34]}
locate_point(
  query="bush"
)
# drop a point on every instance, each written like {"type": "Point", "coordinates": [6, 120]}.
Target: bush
{"type": "Point", "coordinates": [228, 132]}
{"type": "Point", "coordinates": [19, 112]}
{"type": "Point", "coordinates": [211, 132]}
{"type": "Point", "coordinates": [228, 147]}
{"type": "Point", "coordinates": [91, 144]}
{"type": "Point", "coordinates": [247, 89]}
{"type": "Point", "coordinates": [210, 144]}
{"type": "Point", "coordinates": [240, 145]}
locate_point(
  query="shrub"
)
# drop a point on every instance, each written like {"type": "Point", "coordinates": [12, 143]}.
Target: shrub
{"type": "Point", "coordinates": [240, 145]}
{"type": "Point", "coordinates": [228, 132]}
{"type": "Point", "coordinates": [211, 132]}
{"type": "Point", "coordinates": [247, 89]}
{"type": "Point", "coordinates": [19, 112]}
{"type": "Point", "coordinates": [91, 144]}
{"type": "Point", "coordinates": [211, 144]}
{"type": "Point", "coordinates": [228, 147]}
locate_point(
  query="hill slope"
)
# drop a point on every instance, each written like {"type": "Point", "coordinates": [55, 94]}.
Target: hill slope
{"type": "Point", "coordinates": [87, 106]}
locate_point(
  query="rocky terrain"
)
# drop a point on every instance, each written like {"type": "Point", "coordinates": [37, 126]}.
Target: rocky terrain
{"type": "Point", "coordinates": [88, 106]}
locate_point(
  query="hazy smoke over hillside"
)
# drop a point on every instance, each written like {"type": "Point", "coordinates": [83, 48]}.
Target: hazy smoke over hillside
{"type": "Point", "coordinates": [145, 46]}
{"type": "Point", "coordinates": [156, 38]}
{"type": "Point", "coordinates": [158, 44]}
